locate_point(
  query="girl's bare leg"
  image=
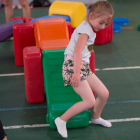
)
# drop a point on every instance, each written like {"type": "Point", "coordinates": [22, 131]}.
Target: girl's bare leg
{"type": "Point", "coordinates": [99, 88]}
{"type": "Point", "coordinates": [85, 92]}
{"type": "Point", "coordinates": [103, 94]}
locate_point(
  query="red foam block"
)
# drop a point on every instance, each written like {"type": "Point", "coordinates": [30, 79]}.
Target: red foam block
{"type": "Point", "coordinates": [92, 63]}
{"type": "Point", "coordinates": [34, 81]}
{"type": "Point", "coordinates": [105, 35]}
{"type": "Point", "coordinates": [23, 18]}
{"type": "Point", "coordinates": [23, 37]}
{"type": "Point", "coordinates": [102, 36]}
{"type": "Point", "coordinates": [69, 29]}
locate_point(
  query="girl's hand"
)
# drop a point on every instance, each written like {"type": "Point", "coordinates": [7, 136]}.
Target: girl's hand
{"type": "Point", "coordinates": [75, 80]}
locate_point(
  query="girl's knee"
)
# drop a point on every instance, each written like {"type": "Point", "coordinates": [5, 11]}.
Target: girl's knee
{"type": "Point", "coordinates": [90, 103]}
{"type": "Point", "coordinates": [104, 95]}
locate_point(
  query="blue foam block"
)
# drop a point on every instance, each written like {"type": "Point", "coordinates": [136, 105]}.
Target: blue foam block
{"type": "Point", "coordinates": [116, 28]}
{"type": "Point", "coordinates": [67, 18]}
{"type": "Point", "coordinates": [121, 21]}
{"type": "Point", "coordinates": [87, 10]}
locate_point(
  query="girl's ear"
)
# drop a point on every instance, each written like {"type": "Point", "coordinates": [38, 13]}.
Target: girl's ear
{"type": "Point", "coordinates": [90, 16]}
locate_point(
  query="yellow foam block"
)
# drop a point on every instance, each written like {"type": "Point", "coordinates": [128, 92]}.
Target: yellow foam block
{"type": "Point", "coordinates": [75, 10]}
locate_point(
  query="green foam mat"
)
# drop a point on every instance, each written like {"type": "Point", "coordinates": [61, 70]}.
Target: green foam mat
{"type": "Point", "coordinates": [60, 98]}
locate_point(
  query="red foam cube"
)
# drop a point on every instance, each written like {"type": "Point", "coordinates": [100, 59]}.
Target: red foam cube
{"type": "Point", "coordinates": [105, 35]}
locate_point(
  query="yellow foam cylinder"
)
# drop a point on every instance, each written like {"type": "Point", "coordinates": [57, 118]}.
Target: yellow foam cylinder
{"type": "Point", "coordinates": [75, 10]}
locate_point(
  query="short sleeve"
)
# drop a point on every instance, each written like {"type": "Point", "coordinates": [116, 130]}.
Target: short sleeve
{"type": "Point", "coordinates": [84, 29]}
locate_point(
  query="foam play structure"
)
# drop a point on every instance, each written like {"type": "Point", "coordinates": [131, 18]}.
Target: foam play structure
{"type": "Point", "coordinates": [51, 33]}
{"type": "Point", "coordinates": [60, 98]}
{"type": "Point", "coordinates": [40, 45]}
{"type": "Point", "coordinates": [75, 10]}
{"type": "Point", "coordinates": [6, 30]}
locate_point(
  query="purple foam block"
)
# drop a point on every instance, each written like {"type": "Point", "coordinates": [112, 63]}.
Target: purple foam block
{"type": "Point", "coordinates": [6, 30]}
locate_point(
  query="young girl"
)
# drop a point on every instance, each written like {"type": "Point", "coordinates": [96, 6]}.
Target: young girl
{"type": "Point", "coordinates": [81, 78]}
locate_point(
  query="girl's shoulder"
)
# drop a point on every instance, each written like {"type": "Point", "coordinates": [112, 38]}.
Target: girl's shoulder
{"type": "Point", "coordinates": [84, 27]}
{"type": "Point", "coordinates": [85, 24]}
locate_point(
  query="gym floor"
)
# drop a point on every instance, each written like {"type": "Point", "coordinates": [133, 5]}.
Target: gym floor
{"type": "Point", "coordinates": [117, 65]}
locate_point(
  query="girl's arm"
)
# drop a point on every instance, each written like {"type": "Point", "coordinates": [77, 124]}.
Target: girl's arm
{"type": "Point", "coordinates": [81, 42]}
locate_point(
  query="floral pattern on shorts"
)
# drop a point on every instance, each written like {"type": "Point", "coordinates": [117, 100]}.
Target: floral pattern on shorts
{"type": "Point", "coordinates": [68, 71]}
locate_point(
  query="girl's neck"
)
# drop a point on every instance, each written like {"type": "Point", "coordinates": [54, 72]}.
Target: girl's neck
{"type": "Point", "coordinates": [91, 27]}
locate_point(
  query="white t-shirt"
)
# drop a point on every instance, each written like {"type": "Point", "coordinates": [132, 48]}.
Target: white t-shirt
{"type": "Point", "coordinates": [83, 28]}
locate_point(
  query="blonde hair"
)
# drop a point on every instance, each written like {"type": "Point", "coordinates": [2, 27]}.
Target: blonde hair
{"type": "Point", "coordinates": [100, 8]}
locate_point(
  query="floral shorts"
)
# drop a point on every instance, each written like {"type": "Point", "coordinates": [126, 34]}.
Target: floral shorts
{"type": "Point", "coordinates": [68, 70]}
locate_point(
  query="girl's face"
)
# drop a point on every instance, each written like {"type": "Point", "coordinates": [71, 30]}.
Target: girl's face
{"type": "Point", "coordinates": [99, 23]}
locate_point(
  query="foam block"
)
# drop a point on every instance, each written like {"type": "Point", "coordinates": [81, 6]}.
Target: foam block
{"type": "Point", "coordinates": [6, 30]}
{"type": "Point", "coordinates": [34, 81]}
{"type": "Point", "coordinates": [116, 28]}
{"type": "Point", "coordinates": [25, 19]}
{"type": "Point", "coordinates": [67, 18]}
{"type": "Point", "coordinates": [51, 33]}
{"type": "Point", "coordinates": [23, 37]}
{"type": "Point", "coordinates": [121, 21]}
{"type": "Point", "coordinates": [75, 10]}
{"type": "Point", "coordinates": [92, 63]}
{"type": "Point", "coordinates": [105, 35]}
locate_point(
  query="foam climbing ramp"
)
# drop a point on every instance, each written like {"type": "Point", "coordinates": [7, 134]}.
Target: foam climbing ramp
{"type": "Point", "coordinates": [60, 98]}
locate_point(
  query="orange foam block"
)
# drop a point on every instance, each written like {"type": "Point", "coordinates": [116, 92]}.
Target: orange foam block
{"type": "Point", "coordinates": [51, 33]}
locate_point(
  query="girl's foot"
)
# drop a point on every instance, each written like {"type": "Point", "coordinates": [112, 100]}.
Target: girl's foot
{"type": "Point", "coordinates": [61, 127]}
{"type": "Point", "coordinates": [101, 122]}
